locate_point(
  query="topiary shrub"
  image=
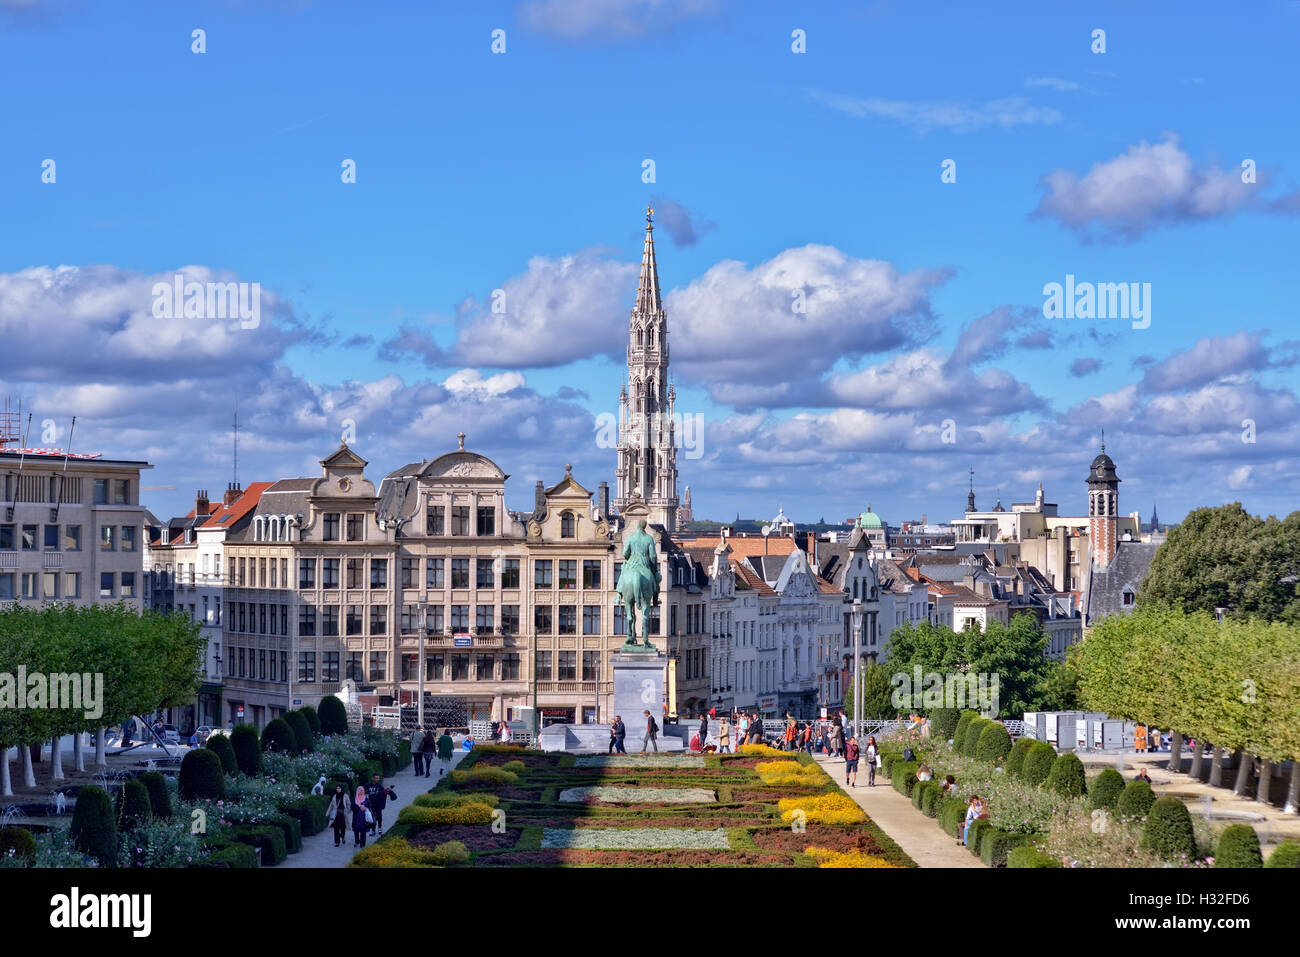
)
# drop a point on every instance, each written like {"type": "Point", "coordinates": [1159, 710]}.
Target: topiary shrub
{"type": "Point", "coordinates": [1238, 847]}
{"type": "Point", "coordinates": [973, 732]}
{"type": "Point", "coordinates": [309, 813]}
{"type": "Point", "coordinates": [1026, 855]}
{"type": "Point", "coordinates": [943, 722]}
{"type": "Point", "coordinates": [976, 834]}
{"type": "Point", "coordinates": [17, 841]}
{"type": "Point", "coordinates": [1038, 763]}
{"type": "Point", "coordinates": [1106, 788]}
{"type": "Point", "coordinates": [1067, 776]}
{"type": "Point", "coordinates": [1136, 800]}
{"type": "Point", "coordinates": [160, 799]}
{"type": "Point", "coordinates": [93, 831]}
{"type": "Point", "coordinates": [996, 845]}
{"type": "Point", "coordinates": [333, 716]}
{"type": "Point", "coordinates": [994, 742]}
{"type": "Point", "coordinates": [278, 736]}
{"type": "Point", "coordinates": [220, 745]}
{"type": "Point", "coordinates": [951, 814]}
{"type": "Point", "coordinates": [450, 854]}
{"type": "Point", "coordinates": [288, 824]}
{"type": "Point", "coordinates": [269, 841]}
{"type": "Point", "coordinates": [1169, 831]}
{"type": "Point", "coordinates": [248, 749]}
{"type": "Point", "coordinates": [1286, 854]}
{"type": "Point", "coordinates": [301, 730]}
{"type": "Point", "coordinates": [918, 791]}
{"type": "Point", "coordinates": [313, 719]}
{"type": "Point", "coordinates": [959, 732]}
{"type": "Point", "coordinates": [229, 854]}
{"type": "Point", "coordinates": [930, 799]}
{"type": "Point", "coordinates": [201, 777]}
{"type": "Point", "coordinates": [1016, 757]}
{"type": "Point", "coordinates": [902, 776]}
{"type": "Point", "coordinates": [133, 805]}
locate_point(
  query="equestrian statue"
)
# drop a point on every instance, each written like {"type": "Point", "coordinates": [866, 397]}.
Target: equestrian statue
{"type": "Point", "coordinates": [638, 585]}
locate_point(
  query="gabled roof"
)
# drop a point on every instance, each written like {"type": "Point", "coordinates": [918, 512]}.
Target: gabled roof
{"type": "Point", "coordinates": [744, 546]}
{"type": "Point", "coordinates": [751, 578]}
{"type": "Point", "coordinates": [225, 517]}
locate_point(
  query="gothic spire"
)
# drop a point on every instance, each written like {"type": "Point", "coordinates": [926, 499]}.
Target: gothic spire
{"type": "Point", "coordinates": [648, 301]}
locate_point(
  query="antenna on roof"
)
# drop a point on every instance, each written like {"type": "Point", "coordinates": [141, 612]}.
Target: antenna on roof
{"type": "Point", "coordinates": [235, 424]}
{"type": "Point", "coordinates": [22, 457]}
{"type": "Point", "coordinates": [63, 476]}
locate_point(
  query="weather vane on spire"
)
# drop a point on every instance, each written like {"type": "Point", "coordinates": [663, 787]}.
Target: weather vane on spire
{"type": "Point", "coordinates": [649, 216]}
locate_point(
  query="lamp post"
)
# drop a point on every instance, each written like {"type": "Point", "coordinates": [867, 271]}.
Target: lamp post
{"type": "Point", "coordinates": [419, 664]}
{"type": "Point", "coordinates": [857, 666]}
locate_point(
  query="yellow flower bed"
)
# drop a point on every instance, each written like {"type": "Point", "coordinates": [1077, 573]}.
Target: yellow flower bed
{"type": "Point", "coordinates": [822, 809]}
{"type": "Point", "coordinates": [446, 814]}
{"type": "Point", "coordinates": [760, 751]}
{"type": "Point", "coordinates": [398, 853]}
{"type": "Point", "coordinates": [483, 774]}
{"type": "Point", "coordinates": [826, 857]}
{"type": "Point", "coordinates": [448, 798]}
{"type": "Point", "coordinates": [790, 772]}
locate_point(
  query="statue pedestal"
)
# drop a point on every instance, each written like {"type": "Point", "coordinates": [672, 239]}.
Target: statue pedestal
{"type": "Point", "coordinates": [638, 687]}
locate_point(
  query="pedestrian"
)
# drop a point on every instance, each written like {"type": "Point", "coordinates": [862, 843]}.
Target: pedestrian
{"type": "Point", "coordinates": [428, 748]}
{"type": "Point", "coordinates": [949, 782]}
{"type": "Point", "coordinates": [787, 738]}
{"type": "Point", "coordinates": [445, 747]}
{"type": "Point", "coordinates": [337, 814]}
{"type": "Point", "coordinates": [613, 736]}
{"type": "Point", "coordinates": [724, 737]}
{"type": "Point", "coordinates": [755, 729]}
{"type": "Point", "coordinates": [1140, 738]}
{"type": "Point", "coordinates": [359, 814]}
{"type": "Point", "coordinates": [505, 732]}
{"type": "Point", "coordinates": [704, 731]}
{"type": "Point", "coordinates": [1153, 739]}
{"type": "Point", "coordinates": [837, 739]}
{"type": "Point", "coordinates": [851, 754]}
{"type": "Point", "coordinates": [808, 737]}
{"type": "Point", "coordinates": [417, 756]}
{"type": "Point", "coordinates": [651, 732]}
{"type": "Point", "coordinates": [377, 796]}
{"type": "Point", "coordinates": [872, 753]}
{"type": "Point", "coordinates": [620, 734]}
{"type": "Point", "coordinates": [1142, 776]}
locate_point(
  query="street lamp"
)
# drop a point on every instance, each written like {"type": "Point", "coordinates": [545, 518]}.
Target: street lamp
{"type": "Point", "coordinates": [857, 666]}
{"type": "Point", "coordinates": [424, 630]}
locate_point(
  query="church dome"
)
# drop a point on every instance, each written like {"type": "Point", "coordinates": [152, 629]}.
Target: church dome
{"type": "Point", "coordinates": [1102, 469]}
{"type": "Point", "coordinates": [869, 519]}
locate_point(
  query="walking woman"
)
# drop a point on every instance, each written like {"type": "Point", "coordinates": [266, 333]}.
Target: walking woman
{"type": "Point", "coordinates": [724, 737]}
{"type": "Point", "coordinates": [789, 735]}
{"type": "Point", "coordinates": [359, 823]}
{"type": "Point", "coordinates": [337, 815]}
{"type": "Point", "coordinates": [870, 754]}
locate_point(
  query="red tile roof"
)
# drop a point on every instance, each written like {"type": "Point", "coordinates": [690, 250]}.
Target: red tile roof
{"type": "Point", "coordinates": [223, 517]}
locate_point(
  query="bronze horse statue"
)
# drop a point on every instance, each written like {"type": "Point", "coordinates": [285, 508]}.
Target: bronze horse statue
{"type": "Point", "coordinates": [638, 585]}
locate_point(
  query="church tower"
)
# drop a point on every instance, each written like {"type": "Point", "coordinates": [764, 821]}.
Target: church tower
{"type": "Point", "coordinates": [647, 452]}
{"type": "Point", "coordinates": [1103, 509]}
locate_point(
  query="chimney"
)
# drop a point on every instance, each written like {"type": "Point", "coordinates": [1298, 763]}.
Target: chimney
{"type": "Point", "coordinates": [924, 519]}
{"type": "Point", "coordinates": [602, 499]}
{"type": "Point", "coordinates": [201, 502]}
{"type": "Point", "coordinates": [539, 497]}
{"type": "Point", "coordinates": [233, 492]}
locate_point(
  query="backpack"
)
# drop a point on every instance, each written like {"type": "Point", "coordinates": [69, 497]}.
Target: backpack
{"type": "Point", "coordinates": [654, 725]}
{"type": "Point", "coordinates": [909, 754]}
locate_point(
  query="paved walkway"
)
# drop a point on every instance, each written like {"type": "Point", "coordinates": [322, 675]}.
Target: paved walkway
{"type": "Point", "coordinates": [319, 850]}
{"type": "Point", "coordinates": [918, 835]}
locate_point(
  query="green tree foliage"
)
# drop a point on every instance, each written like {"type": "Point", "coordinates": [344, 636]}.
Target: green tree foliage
{"type": "Point", "coordinates": [1016, 759]}
{"type": "Point", "coordinates": [160, 799]}
{"type": "Point", "coordinates": [17, 841]}
{"type": "Point", "coordinates": [333, 716]}
{"type": "Point", "coordinates": [313, 719]}
{"type": "Point", "coordinates": [133, 808]}
{"type": "Point", "coordinates": [1136, 800]}
{"type": "Point", "coordinates": [1038, 763]}
{"type": "Point", "coordinates": [1286, 854]}
{"type": "Point", "coordinates": [959, 732]}
{"type": "Point", "coordinates": [943, 722]}
{"type": "Point", "coordinates": [93, 831]}
{"type": "Point", "coordinates": [301, 729]}
{"type": "Point", "coordinates": [973, 732]}
{"type": "Point", "coordinates": [1062, 692]}
{"type": "Point", "coordinates": [877, 692]}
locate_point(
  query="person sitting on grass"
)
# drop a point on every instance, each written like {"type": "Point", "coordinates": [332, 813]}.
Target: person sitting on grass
{"type": "Point", "coordinates": [949, 783]}
{"type": "Point", "coordinates": [923, 773]}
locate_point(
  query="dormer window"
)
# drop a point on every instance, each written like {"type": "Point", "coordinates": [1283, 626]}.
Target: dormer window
{"type": "Point", "coordinates": [1129, 597]}
{"type": "Point", "coordinates": [568, 525]}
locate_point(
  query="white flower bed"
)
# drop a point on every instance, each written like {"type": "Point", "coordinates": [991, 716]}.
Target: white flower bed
{"type": "Point", "coordinates": [628, 795]}
{"type": "Point", "coordinates": [635, 839]}
{"type": "Point", "coordinates": [628, 761]}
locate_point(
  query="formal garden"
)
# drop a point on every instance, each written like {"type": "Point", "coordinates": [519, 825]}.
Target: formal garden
{"type": "Point", "coordinates": [1045, 810]}
{"type": "Point", "coordinates": [243, 800]}
{"type": "Point", "coordinates": [505, 806]}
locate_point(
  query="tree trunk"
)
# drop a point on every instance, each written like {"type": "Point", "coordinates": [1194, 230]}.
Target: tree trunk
{"type": "Point", "coordinates": [101, 760]}
{"type": "Point", "coordinates": [56, 758]}
{"type": "Point", "coordinates": [79, 751]}
{"type": "Point", "coordinates": [1176, 751]}
{"type": "Point", "coordinates": [1292, 805]}
{"type": "Point", "coordinates": [29, 775]}
{"type": "Point", "coordinates": [1246, 765]}
{"type": "Point", "coordinates": [1216, 768]}
{"type": "Point", "coordinates": [1198, 759]}
{"type": "Point", "coordinates": [6, 786]}
{"type": "Point", "coordinates": [35, 751]}
{"type": "Point", "coordinates": [1264, 786]}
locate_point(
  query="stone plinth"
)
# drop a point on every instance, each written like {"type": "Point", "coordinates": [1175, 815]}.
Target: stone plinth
{"type": "Point", "coordinates": [638, 687]}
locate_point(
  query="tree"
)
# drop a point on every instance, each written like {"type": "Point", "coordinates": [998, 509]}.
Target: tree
{"type": "Point", "coordinates": [333, 716]}
{"type": "Point", "coordinates": [877, 693]}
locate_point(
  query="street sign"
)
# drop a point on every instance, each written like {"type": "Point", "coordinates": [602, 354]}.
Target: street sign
{"type": "Point", "coordinates": [297, 702]}
{"type": "Point", "coordinates": [462, 641]}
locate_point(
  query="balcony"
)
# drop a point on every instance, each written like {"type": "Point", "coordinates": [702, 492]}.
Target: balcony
{"type": "Point", "coordinates": [566, 687]}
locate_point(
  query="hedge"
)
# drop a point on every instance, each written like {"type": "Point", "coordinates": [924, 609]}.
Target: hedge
{"type": "Point", "coordinates": [975, 835]}
{"type": "Point", "coordinates": [278, 736]}
{"type": "Point", "coordinates": [930, 799]}
{"type": "Point", "coordinates": [997, 844]}
{"type": "Point", "coordinates": [93, 831]}
{"type": "Point", "coordinates": [973, 732]}
{"type": "Point", "coordinates": [248, 749]}
{"type": "Point", "coordinates": [994, 742]}
{"type": "Point", "coordinates": [1286, 854]}
{"type": "Point", "coordinates": [887, 759]}
{"type": "Point", "coordinates": [1136, 800]}
{"type": "Point", "coordinates": [1038, 763]}
{"type": "Point", "coordinates": [133, 807]}
{"type": "Point", "coordinates": [902, 776]}
{"type": "Point", "coordinates": [951, 815]}
{"type": "Point", "coordinates": [201, 777]}
{"type": "Point", "coordinates": [221, 746]}
{"type": "Point", "coordinates": [301, 730]}
{"type": "Point", "coordinates": [943, 722]}
{"type": "Point", "coordinates": [313, 719]}
{"type": "Point", "coordinates": [292, 830]}
{"type": "Point", "coordinates": [1238, 847]}
{"type": "Point", "coordinates": [19, 842]}
{"type": "Point", "coordinates": [268, 840]}
{"type": "Point", "coordinates": [160, 799]}
{"type": "Point", "coordinates": [1106, 789]}
{"type": "Point", "coordinates": [1026, 855]}
{"type": "Point", "coordinates": [403, 754]}
{"type": "Point", "coordinates": [446, 814]}
{"type": "Point", "coordinates": [229, 854]}
{"type": "Point", "coordinates": [1016, 758]}
{"type": "Point", "coordinates": [333, 716]}
{"type": "Point", "coordinates": [959, 732]}
{"type": "Point", "coordinates": [918, 792]}
{"type": "Point", "coordinates": [1169, 831]}
{"type": "Point", "coordinates": [309, 813]}
{"type": "Point", "coordinates": [1067, 776]}
{"type": "Point", "coordinates": [447, 798]}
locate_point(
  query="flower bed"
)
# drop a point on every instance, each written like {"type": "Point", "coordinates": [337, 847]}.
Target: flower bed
{"type": "Point", "coordinates": [583, 858]}
{"type": "Point", "coordinates": [640, 763]}
{"type": "Point", "coordinates": [622, 795]}
{"type": "Point", "coordinates": [635, 838]}
{"type": "Point", "coordinates": [861, 840]}
{"type": "Point", "coordinates": [475, 838]}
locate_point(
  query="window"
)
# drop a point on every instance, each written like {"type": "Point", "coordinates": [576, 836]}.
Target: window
{"type": "Point", "coordinates": [433, 577]}
{"type": "Point", "coordinates": [618, 570]}
{"type": "Point", "coordinates": [329, 666]}
{"type": "Point", "coordinates": [379, 573]}
{"type": "Point", "coordinates": [672, 620]}
{"type": "Point", "coordinates": [307, 621]}
{"type": "Point", "coordinates": [591, 666]}
{"type": "Point", "coordinates": [460, 573]}
{"type": "Point", "coordinates": [485, 668]}
{"type": "Point", "coordinates": [483, 576]}
{"type": "Point", "coordinates": [273, 678]}
{"type": "Point", "coordinates": [483, 615]}
{"type": "Point", "coordinates": [542, 619]}
{"type": "Point", "coordinates": [71, 585]}
{"type": "Point", "coordinates": [510, 667]}
{"type": "Point", "coordinates": [329, 572]}
{"type": "Point", "coordinates": [591, 619]}
{"type": "Point", "coordinates": [435, 520]}
{"type": "Point", "coordinates": [356, 670]}
{"type": "Point", "coordinates": [7, 537]}
{"type": "Point", "coordinates": [101, 491]}
{"type": "Point", "coordinates": [354, 620]}
{"type": "Point", "coordinates": [509, 619]}
{"type": "Point", "coordinates": [329, 621]}
{"type": "Point", "coordinates": [330, 527]}
{"type": "Point", "coordinates": [408, 572]}
{"type": "Point", "coordinates": [487, 520]}
{"type": "Point", "coordinates": [434, 665]}
{"type": "Point", "coordinates": [7, 586]}
{"type": "Point", "coordinates": [121, 489]}
{"type": "Point", "coordinates": [460, 667]}
{"type": "Point", "coordinates": [568, 666]}
{"type": "Point", "coordinates": [307, 667]}
{"type": "Point", "coordinates": [107, 542]}
{"type": "Point", "coordinates": [409, 619]}
{"type": "Point", "coordinates": [620, 619]}
{"type": "Point", "coordinates": [544, 665]}
{"type": "Point", "coordinates": [241, 663]}
{"type": "Point", "coordinates": [590, 573]}
{"type": "Point", "coordinates": [261, 573]}
{"type": "Point", "coordinates": [434, 619]}
{"type": "Point", "coordinates": [128, 538]}
{"type": "Point", "coordinates": [1128, 597]}
{"type": "Point", "coordinates": [460, 618]}
{"type": "Point", "coordinates": [261, 664]}
{"type": "Point", "coordinates": [50, 585]}
{"type": "Point", "coordinates": [356, 528]}
{"type": "Point", "coordinates": [105, 584]}
{"type": "Point", "coordinates": [261, 616]}
{"type": "Point", "coordinates": [355, 570]}
{"type": "Point", "coordinates": [29, 585]}
{"type": "Point", "coordinates": [52, 537]}
{"type": "Point", "coordinates": [306, 573]}
{"type": "Point", "coordinates": [654, 620]}
{"type": "Point", "coordinates": [378, 665]}
{"type": "Point", "coordinates": [273, 576]}
{"type": "Point", "coordinates": [568, 573]}
{"type": "Point", "coordinates": [460, 519]}
{"type": "Point", "coordinates": [410, 667]}
{"type": "Point", "coordinates": [568, 620]}
{"type": "Point", "coordinates": [568, 525]}
{"type": "Point", "coordinates": [379, 619]}
{"type": "Point", "coordinates": [510, 573]}
{"type": "Point", "coordinates": [542, 573]}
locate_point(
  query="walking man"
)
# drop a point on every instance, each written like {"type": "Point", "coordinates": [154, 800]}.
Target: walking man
{"type": "Point", "coordinates": [620, 734]}
{"type": "Point", "coordinates": [428, 748]}
{"type": "Point", "coordinates": [417, 739]}
{"type": "Point", "coordinates": [377, 795]}
{"type": "Point", "coordinates": [704, 731]}
{"type": "Point", "coordinates": [851, 762]}
{"type": "Point", "coordinates": [651, 733]}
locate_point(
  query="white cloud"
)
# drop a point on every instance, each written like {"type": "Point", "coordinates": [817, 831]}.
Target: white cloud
{"type": "Point", "coordinates": [1005, 113]}
{"type": "Point", "coordinates": [1210, 358]}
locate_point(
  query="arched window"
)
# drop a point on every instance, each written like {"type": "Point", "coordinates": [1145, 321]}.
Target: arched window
{"type": "Point", "coordinates": [567, 525]}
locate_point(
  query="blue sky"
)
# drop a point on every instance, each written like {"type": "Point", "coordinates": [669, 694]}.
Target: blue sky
{"type": "Point", "coordinates": [522, 171]}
